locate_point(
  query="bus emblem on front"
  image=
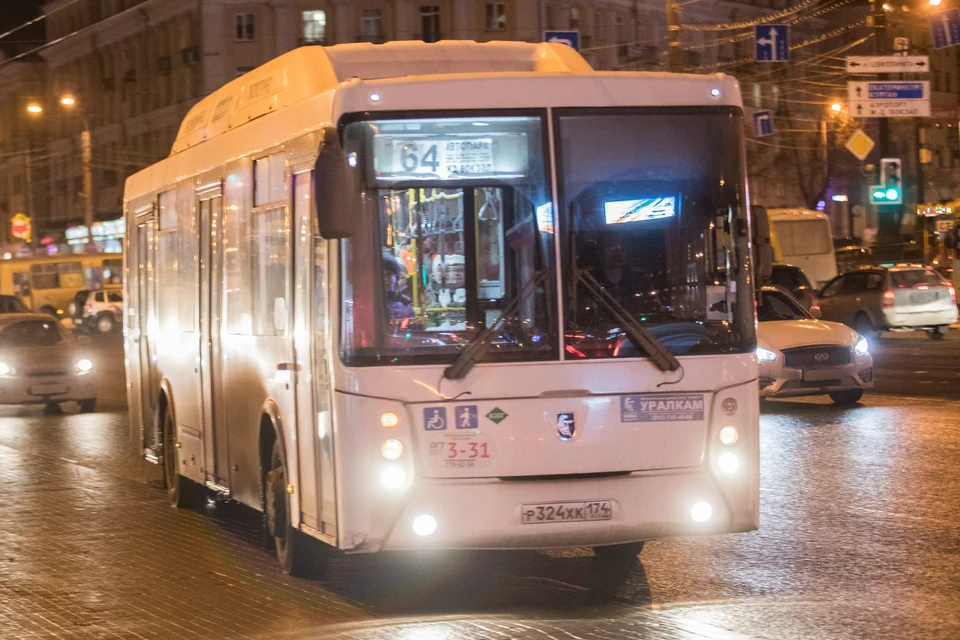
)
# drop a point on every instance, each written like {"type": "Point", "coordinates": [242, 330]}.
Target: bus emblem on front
{"type": "Point", "coordinates": [565, 425]}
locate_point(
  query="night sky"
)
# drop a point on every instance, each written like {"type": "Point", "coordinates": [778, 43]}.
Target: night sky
{"type": "Point", "coordinates": [14, 13]}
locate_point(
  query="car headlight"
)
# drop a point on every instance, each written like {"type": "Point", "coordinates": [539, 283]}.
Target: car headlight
{"type": "Point", "coordinates": [765, 355]}
{"type": "Point", "coordinates": [84, 365]}
{"type": "Point", "coordinates": [861, 348]}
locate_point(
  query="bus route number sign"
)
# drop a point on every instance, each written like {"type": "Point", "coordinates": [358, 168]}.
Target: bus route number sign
{"type": "Point", "coordinates": [445, 158]}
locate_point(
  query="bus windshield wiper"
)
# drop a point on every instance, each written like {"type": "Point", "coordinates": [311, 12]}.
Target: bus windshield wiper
{"type": "Point", "coordinates": [472, 354]}
{"type": "Point", "coordinates": [639, 336]}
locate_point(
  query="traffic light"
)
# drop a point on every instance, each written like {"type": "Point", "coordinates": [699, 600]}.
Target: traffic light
{"type": "Point", "coordinates": [890, 190]}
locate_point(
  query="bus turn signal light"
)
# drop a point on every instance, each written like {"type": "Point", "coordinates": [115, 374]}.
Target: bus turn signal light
{"type": "Point", "coordinates": [389, 420]}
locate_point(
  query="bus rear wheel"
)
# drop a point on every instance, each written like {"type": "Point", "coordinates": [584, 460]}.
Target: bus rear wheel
{"type": "Point", "coordinates": [299, 555]}
{"type": "Point", "coordinates": [182, 492]}
{"type": "Point", "coordinates": [619, 551]}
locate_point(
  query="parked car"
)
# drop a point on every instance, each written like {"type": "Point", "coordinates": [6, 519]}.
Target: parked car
{"type": "Point", "coordinates": [795, 281]}
{"type": "Point", "coordinates": [12, 304]}
{"type": "Point", "coordinates": [891, 298]}
{"type": "Point", "coordinates": [42, 363]}
{"type": "Point", "coordinates": [100, 309]}
{"type": "Point", "coordinates": [800, 355]}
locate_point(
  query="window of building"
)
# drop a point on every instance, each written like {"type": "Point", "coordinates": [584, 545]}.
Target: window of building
{"type": "Point", "coordinates": [314, 27]}
{"type": "Point", "coordinates": [548, 16]}
{"type": "Point", "coordinates": [430, 23]}
{"type": "Point", "coordinates": [496, 16]}
{"type": "Point", "coordinates": [574, 19]}
{"type": "Point", "coordinates": [371, 26]}
{"type": "Point", "coordinates": [243, 27]}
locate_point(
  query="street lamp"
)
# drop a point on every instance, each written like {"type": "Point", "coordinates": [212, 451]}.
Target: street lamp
{"type": "Point", "coordinates": [836, 107]}
{"type": "Point", "coordinates": [34, 109]}
{"type": "Point", "coordinates": [934, 3]}
{"type": "Point", "coordinates": [70, 102]}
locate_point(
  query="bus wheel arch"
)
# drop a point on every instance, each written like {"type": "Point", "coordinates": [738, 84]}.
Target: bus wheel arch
{"type": "Point", "coordinates": [49, 310]}
{"type": "Point", "coordinates": [294, 550]}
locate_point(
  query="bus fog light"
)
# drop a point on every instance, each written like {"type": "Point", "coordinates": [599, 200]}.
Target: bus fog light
{"type": "Point", "coordinates": [389, 420]}
{"type": "Point", "coordinates": [393, 477]}
{"type": "Point", "coordinates": [391, 449]}
{"type": "Point", "coordinates": [728, 462]}
{"type": "Point", "coordinates": [701, 512]}
{"type": "Point", "coordinates": [424, 525]}
{"type": "Point", "coordinates": [729, 435]}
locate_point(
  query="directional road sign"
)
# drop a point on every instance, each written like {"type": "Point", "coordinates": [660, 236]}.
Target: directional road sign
{"type": "Point", "coordinates": [889, 99]}
{"type": "Point", "coordinates": [887, 64]}
{"type": "Point", "coordinates": [945, 28]}
{"type": "Point", "coordinates": [762, 124]}
{"type": "Point", "coordinates": [569, 38]}
{"type": "Point", "coordinates": [773, 42]}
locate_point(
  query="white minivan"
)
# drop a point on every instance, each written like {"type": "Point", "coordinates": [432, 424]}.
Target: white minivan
{"type": "Point", "coordinates": [803, 238]}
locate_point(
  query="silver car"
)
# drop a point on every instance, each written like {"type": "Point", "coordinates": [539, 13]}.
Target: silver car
{"type": "Point", "coordinates": [42, 363]}
{"type": "Point", "coordinates": [891, 298]}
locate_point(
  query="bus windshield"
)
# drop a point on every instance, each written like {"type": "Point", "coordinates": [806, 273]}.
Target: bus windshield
{"type": "Point", "coordinates": [456, 232]}
{"type": "Point", "coordinates": [654, 205]}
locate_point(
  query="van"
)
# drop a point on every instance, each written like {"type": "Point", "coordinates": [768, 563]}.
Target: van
{"type": "Point", "coordinates": [803, 238]}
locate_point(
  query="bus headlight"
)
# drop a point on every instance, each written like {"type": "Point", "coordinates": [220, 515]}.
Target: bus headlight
{"type": "Point", "coordinates": [729, 435]}
{"type": "Point", "coordinates": [84, 366]}
{"type": "Point", "coordinates": [391, 449]}
{"type": "Point", "coordinates": [6, 370]}
{"type": "Point", "coordinates": [728, 462]}
{"type": "Point", "coordinates": [701, 512]}
{"type": "Point", "coordinates": [862, 348]}
{"type": "Point", "coordinates": [765, 355]}
{"type": "Point", "coordinates": [393, 477]}
{"type": "Point", "coordinates": [424, 525]}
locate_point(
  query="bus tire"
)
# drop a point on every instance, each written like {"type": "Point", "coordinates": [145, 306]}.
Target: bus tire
{"type": "Point", "coordinates": [297, 554]}
{"type": "Point", "coordinates": [106, 322]}
{"type": "Point", "coordinates": [182, 492]}
{"type": "Point", "coordinates": [619, 551]}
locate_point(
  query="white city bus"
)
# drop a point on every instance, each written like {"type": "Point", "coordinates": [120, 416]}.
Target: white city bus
{"type": "Point", "coordinates": [450, 295]}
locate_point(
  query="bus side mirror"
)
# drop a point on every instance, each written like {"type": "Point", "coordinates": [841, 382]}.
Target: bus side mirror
{"type": "Point", "coordinates": [762, 246]}
{"type": "Point", "coordinates": [335, 188]}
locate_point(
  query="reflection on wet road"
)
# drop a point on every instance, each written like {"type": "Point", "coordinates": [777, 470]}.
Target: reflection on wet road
{"type": "Point", "coordinates": [859, 537]}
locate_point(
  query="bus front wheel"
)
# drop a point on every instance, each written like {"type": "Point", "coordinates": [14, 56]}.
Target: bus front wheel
{"type": "Point", "coordinates": [298, 555]}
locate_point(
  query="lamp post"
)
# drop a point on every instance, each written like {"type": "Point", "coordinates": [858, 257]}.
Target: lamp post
{"type": "Point", "coordinates": [70, 102]}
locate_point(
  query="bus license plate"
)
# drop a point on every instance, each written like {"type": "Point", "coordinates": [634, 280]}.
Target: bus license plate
{"type": "Point", "coordinates": [52, 389]}
{"type": "Point", "coordinates": [566, 511]}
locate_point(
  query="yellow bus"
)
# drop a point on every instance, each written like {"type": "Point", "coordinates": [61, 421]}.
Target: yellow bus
{"type": "Point", "coordinates": [48, 284]}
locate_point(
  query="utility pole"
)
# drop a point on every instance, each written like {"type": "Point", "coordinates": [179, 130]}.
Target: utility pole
{"type": "Point", "coordinates": [888, 216]}
{"type": "Point", "coordinates": [30, 212]}
{"type": "Point", "coordinates": [673, 37]}
{"type": "Point", "coordinates": [85, 156]}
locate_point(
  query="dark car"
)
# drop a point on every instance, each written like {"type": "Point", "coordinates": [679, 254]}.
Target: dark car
{"type": "Point", "coordinates": [903, 297]}
{"type": "Point", "coordinates": [12, 304]}
{"type": "Point", "coordinates": [793, 280]}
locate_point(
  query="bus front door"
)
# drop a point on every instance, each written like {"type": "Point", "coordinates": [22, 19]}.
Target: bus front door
{"type": "Point", "coordinates": [216, 461]}
{"type": "Point", "coordinates": [145, 305]}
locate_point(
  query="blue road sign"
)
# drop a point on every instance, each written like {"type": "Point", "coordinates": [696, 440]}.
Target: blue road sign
{"type": "Point", "coordinates": [569, 38]}
{"type": "Point", "coordinates": [895, 91]}
{"type": "Point", "coordinates": [762, 124]}
{"type": "Point", "coordinates": [945, 28]}
{"type": "Point", "coordinates": [773, 42]}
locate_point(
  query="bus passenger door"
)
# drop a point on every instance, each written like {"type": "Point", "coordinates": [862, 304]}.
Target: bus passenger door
{"type": "Point", "coordinates": [216, 461]}
{"type": "Point", "coordinates": [145, 305]}
{"type": "Point", "coordinates": [314, 433]}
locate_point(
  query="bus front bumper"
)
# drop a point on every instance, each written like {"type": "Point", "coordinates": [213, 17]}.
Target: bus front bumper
{"type": "Point", "coordinates": [491, 513]}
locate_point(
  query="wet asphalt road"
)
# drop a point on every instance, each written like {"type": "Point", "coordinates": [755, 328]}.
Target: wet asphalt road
{"type": "Point", "coordinates": [859, 538]}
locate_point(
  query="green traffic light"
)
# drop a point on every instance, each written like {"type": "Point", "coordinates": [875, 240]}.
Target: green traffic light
{"type": "Point", "coordinates": [880, 195]}
{"type": "Point", "coordinates": [892, 194]}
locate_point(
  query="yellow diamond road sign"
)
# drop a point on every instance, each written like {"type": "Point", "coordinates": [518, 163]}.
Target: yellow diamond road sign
{"type": "Point", "coordinates": [859, 144]}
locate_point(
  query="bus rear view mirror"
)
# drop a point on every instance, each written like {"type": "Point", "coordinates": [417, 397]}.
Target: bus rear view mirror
{"type": "Point", "coordinates": [762, 245]}
{"type": "Point", "coordinates": [335, 188]}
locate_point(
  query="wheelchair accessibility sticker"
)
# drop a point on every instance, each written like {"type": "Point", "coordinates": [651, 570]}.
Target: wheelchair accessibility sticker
{"type": "Point", "coordinates": [435, 418]}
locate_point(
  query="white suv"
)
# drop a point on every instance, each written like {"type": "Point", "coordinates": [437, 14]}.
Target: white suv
{"type": "Point", "coordinates": [102, 309]}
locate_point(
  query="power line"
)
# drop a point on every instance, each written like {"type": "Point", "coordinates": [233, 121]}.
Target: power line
{"type": "Point", "coordinates": [37, 19]}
